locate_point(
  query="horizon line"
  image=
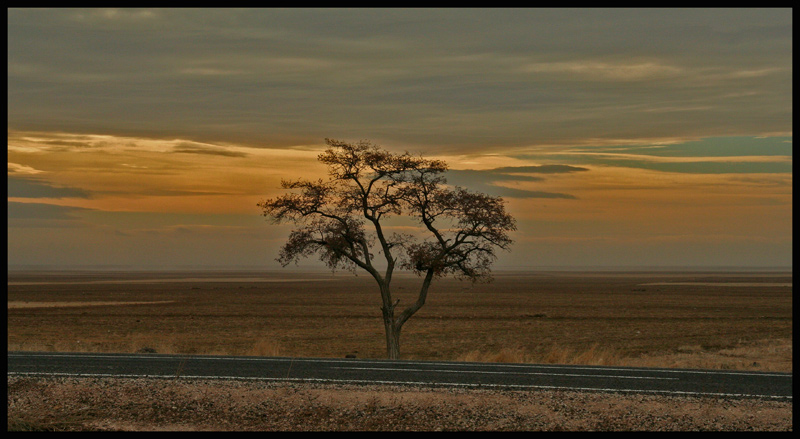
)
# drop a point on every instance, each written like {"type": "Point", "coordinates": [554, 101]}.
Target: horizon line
{"type": "Point", "coordinates": [212, 267]}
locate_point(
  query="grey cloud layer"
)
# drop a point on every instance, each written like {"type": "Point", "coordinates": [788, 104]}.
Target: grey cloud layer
{"type": "Point", "coordinates": [729, 155]}
{"type": "Point", "coordinates": [431, 77]}
{"type": "Point", "coordinates": [27, 188]}
{"type": "Point", "coordinates": [487, 180]}
{"type": "Point", "coordinates": [43, 215]}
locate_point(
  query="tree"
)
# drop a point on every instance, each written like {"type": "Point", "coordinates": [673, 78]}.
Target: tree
{"type": "Point", "coordinates": [343, 221]}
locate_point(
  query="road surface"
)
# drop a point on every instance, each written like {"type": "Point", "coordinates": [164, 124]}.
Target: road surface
{"type": "Point", "coordinates": [674, 382]}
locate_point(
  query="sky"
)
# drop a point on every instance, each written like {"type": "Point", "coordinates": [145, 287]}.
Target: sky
{"type": "Point", "coordinates": [144, 138]}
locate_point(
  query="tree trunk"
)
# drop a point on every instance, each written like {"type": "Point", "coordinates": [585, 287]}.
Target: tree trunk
{"type": "Point", "coordinates": [392, 334]}
{"type": "Point", "coordinates": [392, 327]}
{"type": "Point", "coordinates": [392, 342]}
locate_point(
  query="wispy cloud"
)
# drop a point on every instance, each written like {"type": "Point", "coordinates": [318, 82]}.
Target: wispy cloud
{"type": "Point", "coordinates": [20, 141]}
{"type": "Point", "coordinates": [597, 70]}
{"type": "Point", "coordinates": [17, 169]}
{"type": "Point", "coordinates": [27, 188]}
{"type": "Point", "coordinates": [150, 174]}
{"type": "Point", "coordinates": [113, 14]}
{"type": "Point", "coordinates": [491, 181]}
{"type": "Point", "coordinates": [539, 169]}
{"type": "Point", "coordinates": [731, 155]}
{"type": "Point", "coordinates": [190, 148]}
{"type": "Point", "coordinates": [210, 71]}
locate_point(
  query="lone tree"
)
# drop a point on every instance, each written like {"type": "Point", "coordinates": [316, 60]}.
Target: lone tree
{"type": "Point", "coordinates": [343, 220]}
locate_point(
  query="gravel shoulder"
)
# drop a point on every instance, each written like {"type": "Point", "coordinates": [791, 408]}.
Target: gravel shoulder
{"type": "Point", "coordinates": [140, 404]}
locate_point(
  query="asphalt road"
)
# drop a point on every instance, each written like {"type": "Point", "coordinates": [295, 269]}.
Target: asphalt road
{"type": "Point", "coordinates": [331, 370]}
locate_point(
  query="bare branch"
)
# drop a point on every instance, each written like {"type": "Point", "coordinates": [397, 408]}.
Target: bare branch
{"type": "Point", "coordinates": [366, 185]}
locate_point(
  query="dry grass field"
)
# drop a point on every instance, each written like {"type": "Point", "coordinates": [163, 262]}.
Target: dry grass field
{"type": "Point", "coordinates": [659, 319]}
{"type": "Point", "coordinates": [137, 404]}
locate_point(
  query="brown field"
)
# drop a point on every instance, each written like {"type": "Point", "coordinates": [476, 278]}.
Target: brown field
{"type": "Point", "coordinates": [660, 319]}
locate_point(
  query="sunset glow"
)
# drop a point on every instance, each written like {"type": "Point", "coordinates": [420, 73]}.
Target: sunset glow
{"type": "Point", "coordinates": [145, 138]}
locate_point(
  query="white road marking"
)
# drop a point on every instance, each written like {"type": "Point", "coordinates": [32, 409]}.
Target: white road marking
{"type": "Point", "coordinates": [505, 373]}
{"type": "Point", "coordinates": [726, 284]}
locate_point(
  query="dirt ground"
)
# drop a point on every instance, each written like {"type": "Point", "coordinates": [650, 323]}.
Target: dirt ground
{"type": "Point", "coordinates": [107, 404]}
{"type": "Point", "coordinates": [707, 320]}
{"type": "Point", "coordinates": [618, 318]}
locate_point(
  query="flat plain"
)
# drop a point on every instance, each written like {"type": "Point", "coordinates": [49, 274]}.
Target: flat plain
{"type": "Point", "coordinates": [710, 320]}
{"type": "Point", "coordinates": [727, 320]}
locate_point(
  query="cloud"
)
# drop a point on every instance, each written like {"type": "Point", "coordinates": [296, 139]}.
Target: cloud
{"type": "Point", "coordinates": [41, 215]}
{"type": "Point", "coordinates": [754, 148]}
{"type": "Point", "coordinates": [189, 148]}
{"type": "Point", "coordinates": [596, 70]}
{"type": "Point", "coordinates": [508, 192]}
{"type": "Point", "coordinates": [210, 71]}
{"type": "Point", "coordinates": [21, 141]}
{"type": "Point", "coordinates": [542, 169]}
{"type": "Point", "coordinates": [17, 169]}
{"type": "Point", "coordinates": [707, 167]}
{"type": "Point", "coordinates": [25, 188]}
{"type": "Point", "coordinates": [456, 79]}
{"type": "Point", "coordinates": [717, 155]}
{"type": "Point", "coordinates": [467, 177]}
{"type": "Point", "coordinates": [114, 14]}
{"type": "Point", "coordinates": [486, 180]}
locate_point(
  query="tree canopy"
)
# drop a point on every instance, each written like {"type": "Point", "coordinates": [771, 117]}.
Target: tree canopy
{"type": "Point", "coordinates": [343, 220]}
